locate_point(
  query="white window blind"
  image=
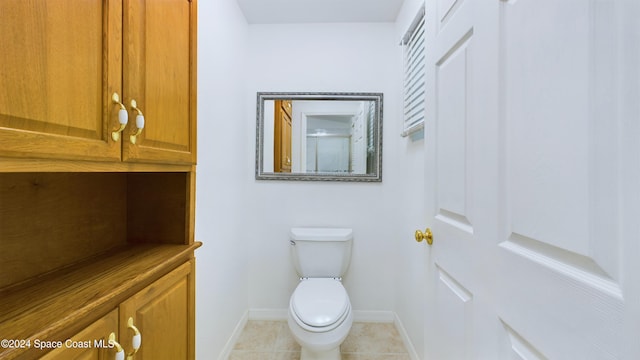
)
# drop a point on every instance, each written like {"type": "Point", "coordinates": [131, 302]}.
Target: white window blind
{"type": "Point", "coordinates": [413, 44]}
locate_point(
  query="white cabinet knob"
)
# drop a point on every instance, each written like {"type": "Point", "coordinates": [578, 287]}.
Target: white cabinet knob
{"type": "Point", "coordinates": [140, 121]}
{"type": "Point", "coordinates": [119, 355]}
{"type": "Point", "coordinates": [136, 341]}
{"type": "Point", "coordinates": [123, 116]}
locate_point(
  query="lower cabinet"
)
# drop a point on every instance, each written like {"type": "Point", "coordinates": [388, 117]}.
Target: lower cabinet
{"type": "Point", "coordinates": [159, 321]}
{"type": "Point", "coordinates": [92, 343]}
{"type": "Point", "coordinates": [164, 315]}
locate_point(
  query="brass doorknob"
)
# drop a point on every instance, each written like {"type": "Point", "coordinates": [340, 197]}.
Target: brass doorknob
{"type": "Point", "coordinates": [426, 235]}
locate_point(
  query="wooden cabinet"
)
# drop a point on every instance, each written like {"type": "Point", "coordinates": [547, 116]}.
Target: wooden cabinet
{"type": "Point", "coordinates": [282, 138]}
{"type": "Point", "coordinates": [59, 63]}
{"type": "Point", "coordinates": [92, 343]}
{"type": "Point", "coordinates": [160, 314]}
{"type": "Point", "coordinates": [159, 62]}
{"type": "Point", "coordinates": [91, 222]}
{"type": "Point", "coordinates": [81, 231]}
{"type": "Point", "coordinates": [62, 60]}
{"type": "Point", "coordinates": [74, 246]}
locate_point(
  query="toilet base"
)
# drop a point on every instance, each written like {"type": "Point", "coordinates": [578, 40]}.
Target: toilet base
{"type": "Point", "coordinates": [333, 354]}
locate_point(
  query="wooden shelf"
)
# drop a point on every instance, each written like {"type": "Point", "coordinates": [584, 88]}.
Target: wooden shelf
{"type": "Point", "coordinates": [59, 304]}
{"type": "Point", "coordinates": [8, 164]}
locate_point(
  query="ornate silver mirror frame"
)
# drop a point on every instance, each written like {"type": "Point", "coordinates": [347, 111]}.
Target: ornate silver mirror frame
{"type": "Point", "coordinates": [320, 125]}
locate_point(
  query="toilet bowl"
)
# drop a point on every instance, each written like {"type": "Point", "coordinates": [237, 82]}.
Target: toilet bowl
{"type": "Point", "coordinates": [320, 315]}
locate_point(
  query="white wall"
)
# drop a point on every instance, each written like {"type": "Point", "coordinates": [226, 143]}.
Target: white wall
{"type": "Point", "coordinates": [338, 58]}
{"type": "Point", "coordinates": [245, 262]}
{"type": "Point", "coordinates": [221, 290]}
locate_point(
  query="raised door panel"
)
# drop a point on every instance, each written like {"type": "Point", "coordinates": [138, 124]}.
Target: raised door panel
{"type": "Point", "coordinates": [282, 141]}
{"type": "Point", "coordinates": [532, 168]}
{"type": "Point", "coordinates": [450, 139]}
{"type": "Point", "coordinates": [159, 74]}
{"type": "Point", "coordinates": [561, 250]}
{"type": "Point", "coordinates": [60, 62]}
{"type": "Point", "coordinates": [164, 314]}
{"type": "Point", "coordinates": [286, 143]}
{"type": "Point", "coordinates": [453, 319]}
{"type": "Point", "coordinates": [92, 343]}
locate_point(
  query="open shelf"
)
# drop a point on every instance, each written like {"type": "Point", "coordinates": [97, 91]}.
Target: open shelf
{"type": "Point", "coordinates": [49, 221]}
{"type": "Point", "coordinates": [63, 302]}
{"type": "Point", "coordinates": [75, 245]}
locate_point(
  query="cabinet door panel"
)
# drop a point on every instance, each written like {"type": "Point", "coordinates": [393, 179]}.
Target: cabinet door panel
{"type": "Point", "coordinates": [59, 64]}
{"type": "Point", "coordinates": [282, 149]}
{"type": "Point", "coordinates": [90, 343]}
{"type": "Point", "coordinates": [159, 74]}
{"type": "Point", "coordinates": [163, 312]}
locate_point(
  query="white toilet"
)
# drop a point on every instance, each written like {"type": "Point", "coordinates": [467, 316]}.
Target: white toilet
{"type": "Point", "coordinates": [320, 315]}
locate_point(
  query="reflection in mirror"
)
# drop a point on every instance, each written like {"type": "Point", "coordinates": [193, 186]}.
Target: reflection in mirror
{"type": "Point", "coordinates": [319, 136]}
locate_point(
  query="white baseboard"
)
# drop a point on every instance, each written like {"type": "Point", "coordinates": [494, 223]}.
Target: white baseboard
{"type": "Point", "coordinates": [413, 354]}
{"type": "Point", "coordinates": [268, 314]}
{"type": "Point", "coordinates": [228, 347]}
{"type": "Point", "coordinates": [373, 316]}
{"type": "Point", "coordinates": [358, 315]}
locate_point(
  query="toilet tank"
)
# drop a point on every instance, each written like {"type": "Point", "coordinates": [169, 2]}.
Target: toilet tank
{"type": "Point", "coordinates": [321, 252]}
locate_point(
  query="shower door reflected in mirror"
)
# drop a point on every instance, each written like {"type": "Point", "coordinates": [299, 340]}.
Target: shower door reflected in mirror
{"type": "Point", "coordinates": [319, 136]}
{"type": "Point", "coordinates": [329, 153]}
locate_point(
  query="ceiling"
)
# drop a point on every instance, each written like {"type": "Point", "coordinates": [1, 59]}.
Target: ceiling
{"type": "Point", "coordinates": [319, 11]}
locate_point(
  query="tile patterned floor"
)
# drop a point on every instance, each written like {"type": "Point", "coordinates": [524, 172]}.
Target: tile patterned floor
{"type": "Point", "coordinates": [271, 340]}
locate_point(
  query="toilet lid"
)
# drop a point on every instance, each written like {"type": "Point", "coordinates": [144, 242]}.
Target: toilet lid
{"type": "Point", "coordinates": [320, 302]}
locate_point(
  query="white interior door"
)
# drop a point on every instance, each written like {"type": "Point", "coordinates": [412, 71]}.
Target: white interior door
{"type": "Point", "coordinates": [532, 177]}
{"type": "Point", "coordinates": [461, 59]}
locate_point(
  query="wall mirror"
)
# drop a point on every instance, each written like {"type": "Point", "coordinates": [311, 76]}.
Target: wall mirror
{"type": "Point", "coordinates": [319, 136]}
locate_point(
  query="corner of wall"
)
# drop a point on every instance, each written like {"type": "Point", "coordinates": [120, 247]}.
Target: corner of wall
{"type": "Point", "coordinates": [408, 344]}
{"type": "Point", "coordinates": [228, 347]}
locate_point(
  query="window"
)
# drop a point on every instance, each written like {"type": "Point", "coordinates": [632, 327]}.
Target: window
{"type": "Point", "coordinates": [413, 44]}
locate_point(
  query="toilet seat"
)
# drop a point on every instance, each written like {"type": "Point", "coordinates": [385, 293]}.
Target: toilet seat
{"type": "Point", "coordinates": [319, 304]}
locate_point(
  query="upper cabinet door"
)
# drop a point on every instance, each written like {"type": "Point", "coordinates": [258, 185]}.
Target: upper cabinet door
{"type": "Point", "coordinates": [60, 63]}
{"type": "Point", "coordinates": [159, 58]}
